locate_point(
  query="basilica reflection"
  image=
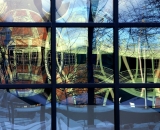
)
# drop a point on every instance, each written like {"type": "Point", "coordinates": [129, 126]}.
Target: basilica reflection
{"type": "Point", "coordinates": [24, 11]}
{"type": "Point", "coordinates": [25, 55]}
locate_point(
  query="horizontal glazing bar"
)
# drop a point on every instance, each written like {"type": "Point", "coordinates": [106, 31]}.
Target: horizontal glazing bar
{"type": "Point", "coordinates": [49, 24]}
{"type": "Point", "coordinates": [107, 24]}
{"type": "Point", "coordinates": [148, 85]}
{"type": "Point", "coordinates": [139, 25]}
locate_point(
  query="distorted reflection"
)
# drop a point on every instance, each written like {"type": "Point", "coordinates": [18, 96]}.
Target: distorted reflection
{"type": "Point", "coordinates": [79, 10]}
{"type": "Point", "coordinates": [73, 111]}
{"type": "Point", "coordinates": [71, 48]}
{"type": "Point", "coordinates": [104, 108]}
{"type": "Point", "coordinates": [102, 55]}
{"type": "Point", "coordinates": [139, 55]}
{"type": "Point", "coordinates": [71, 55]}
{"type": "Point", "coordinates": [24, 11]}
{"type": "Point", "coordinates": [139, 11]}
{"type": "Point", "coordinates": [25, 109]}
{"type": "Point", "coordinates": [139, 108]}
{"type": "Point", "coordinates": [25, 55]}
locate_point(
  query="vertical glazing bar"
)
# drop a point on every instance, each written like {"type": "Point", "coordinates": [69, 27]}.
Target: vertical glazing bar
{"type": "Point", "coordinates": [116, 68]}
{"type": "Point", "coordinates": [90, 72]}
{"type": "Point", "coordinates": [91, 106]}
{"type": "Point", "coordinates": [53, 61]}
{"type": "Point", "coordinates": [89, 56]}
{"type": "Point", "coordinates": [90, 78]}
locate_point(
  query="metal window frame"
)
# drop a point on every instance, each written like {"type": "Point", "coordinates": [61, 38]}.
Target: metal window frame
{"type": "Point", "coordinates": [116, 85]}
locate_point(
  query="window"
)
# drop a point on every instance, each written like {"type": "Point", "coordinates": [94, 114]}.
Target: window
{"type": "Point", "coordinates": [96, 62]}
{"type": "Point", "coordinates": [25, 88]}
{"type": "Point", "coordinates": [116, 61]}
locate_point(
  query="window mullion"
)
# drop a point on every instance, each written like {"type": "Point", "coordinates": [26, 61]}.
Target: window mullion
{"type": "Point", "coordinates": [116, 70]}
{"type": "Point", "coordinates": [90, 72]}
{"type": "Point", "coordinates": [53, 65]}
{"type": "Point", "coordinates": [90, 78]}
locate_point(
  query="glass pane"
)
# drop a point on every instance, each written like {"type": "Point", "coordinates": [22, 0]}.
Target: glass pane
{"type": "Point", "coordinates": [71, 108]}
{"type": "Point", "coordinates": [79, 11]}
{"type": "Point", "coordinates": [102, 54]}
{"type": "Point", "coordinates": [139, 108]}
{"type": "Point", "coordinates": [139, 55]}
{"type": "Point", "coordinates": [24, 10]}
{"type": "Point", "coordinates": [71, 53]}
{"type": "Point", "coordinates": [25, 55]}
{"type": "Point", "coordinates": [142, 11]}
{"type": "Point", "coordinates": [104, 108]}
{"type": "Point", "coordinates": [25, 109]}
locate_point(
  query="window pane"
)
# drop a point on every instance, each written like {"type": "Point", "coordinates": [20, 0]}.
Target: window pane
{"type": "Point", "coordinates": [71, 53]}
{"type": "Point", "coordinates": [25, 108]}
{"type": "Point", "coordinates": [139, 11]}
{"type": "Point", "coordinates": [139, 55]}
{"type": "Point", "coordinates": [104, 108]}
{"type": "Point", "coordinates": [78, 11]}
{"type": "Point", "coordinates": [102, 55]}
{"type": "Point", "coordinates": [74, 112]}
{"type": "Point", "coordinates": [71, 108]}
{"type": "Point", "coordinates": [25, 55]}
{"type": "Point", "coordinates": [139, 108]}
{"type": "Point", "coordinates": [24, 11]}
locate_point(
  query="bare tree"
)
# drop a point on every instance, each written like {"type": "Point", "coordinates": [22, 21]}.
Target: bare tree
{"type": "Point", "coordinates": [70, 43]}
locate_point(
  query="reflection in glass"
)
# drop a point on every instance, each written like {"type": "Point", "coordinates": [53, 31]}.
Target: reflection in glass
{"type": "Point", "coordinates": [73, 111]}
{"type": "Point", "coordinates": [78, 10]}
{"type": "Point", "coordinates": [142, 11]}
{"type": "Point", "coordinates": [139, 55]}
{"type": "Point", "coordinates": [139, 108]}
{"type": "Point", "coordinates": [25, 55]}
{"type": "Point", "coordinates": [102, 54]}
{"type": "Point", "coordinates": [71, 108]}
{"type": "Point", "coordinates": [25, 109]}
{"type": "Point", "coordinates": [71, 48]}
{"type": "Point", "coordinates": [104, 108]}
{"type": "Point", "coordinates": [24, 11]}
